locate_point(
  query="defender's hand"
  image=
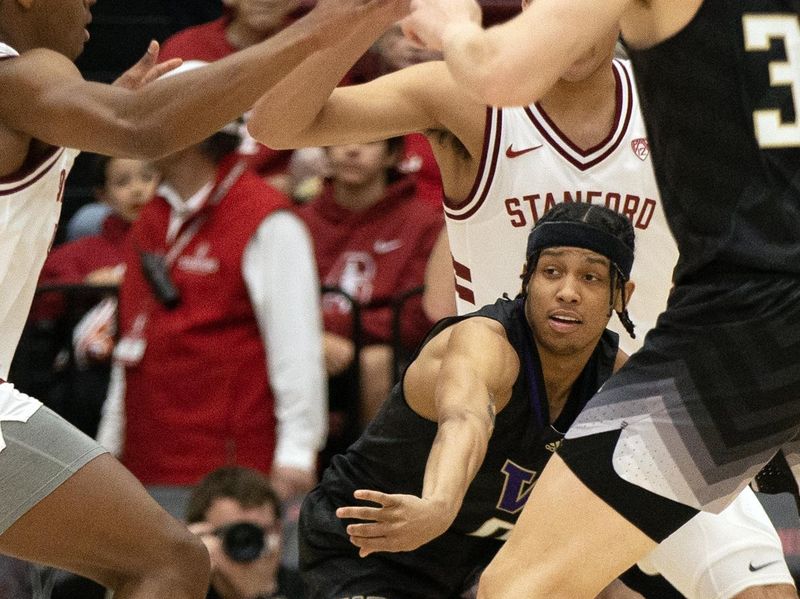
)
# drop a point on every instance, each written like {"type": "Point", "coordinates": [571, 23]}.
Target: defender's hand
{"type": "Point", "coordinates": [429, 18]}
{"type": "Point", "coordinates": [147, 69]}
{"type": "Point", "coordinates": [401, 523]}
{"type": "Point", "coordinates": [337, 17]}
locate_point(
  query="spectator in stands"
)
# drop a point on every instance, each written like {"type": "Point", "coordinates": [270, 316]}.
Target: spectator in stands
{"type": "Point", "coordinates": [125, 186]}
{"type": "Point", "coordinates": [220, 356]}
{"type": "Point", "coordinates": [76, 387]}
{"type": "Point", "coordinates": [237, 514]}
{"type": "Point", "coordinates": [243, 23]}
{"type": "Point", "coordinates": [111, 176]}
{"type": "Point", "coordinates": [372, 235]}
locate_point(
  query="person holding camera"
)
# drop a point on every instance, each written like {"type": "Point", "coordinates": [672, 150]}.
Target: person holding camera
{"type": "Point", "coordinates": [237, 514]}
{"type": "Point", "coordinates": [219, 360]}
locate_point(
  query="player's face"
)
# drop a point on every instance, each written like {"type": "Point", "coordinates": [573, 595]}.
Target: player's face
{"type": "Point", "coordinates": [130, 184]}
{"type": "Point", "coordinates": [360, 164]}
{"type": "Point", "coordinates": [264, 15]}
{"type": "Point", "coordinates": [61, 25]}
{"type": "Point", "coordinates": [568, 299]}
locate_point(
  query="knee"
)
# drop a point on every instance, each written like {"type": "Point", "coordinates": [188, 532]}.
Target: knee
{"type": "Point", "coordinates": [173, 564]}
{"type": "Point", "coordinates": [186, 557]}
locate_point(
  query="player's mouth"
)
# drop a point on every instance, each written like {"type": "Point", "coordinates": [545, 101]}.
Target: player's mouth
{"type": "Point", "coordinates": [564, 322]}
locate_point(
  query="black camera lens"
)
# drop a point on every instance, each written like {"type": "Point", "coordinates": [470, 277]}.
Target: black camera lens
{"type": "Point", "coordinates": [243, 542]}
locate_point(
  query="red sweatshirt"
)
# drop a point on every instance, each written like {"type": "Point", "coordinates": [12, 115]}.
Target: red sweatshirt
{"type": "Point", "coordinates": [373, 255]}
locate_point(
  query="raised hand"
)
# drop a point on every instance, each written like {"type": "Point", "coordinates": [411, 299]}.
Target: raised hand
{"type": "Point", "coordinates": [429, 18]}
{"type": "Point", "coordinates": [147, 69]}
{"type": "Point", "coordinates": [401, 523]}
{"type": "Point", "coordinates": [341, 15]}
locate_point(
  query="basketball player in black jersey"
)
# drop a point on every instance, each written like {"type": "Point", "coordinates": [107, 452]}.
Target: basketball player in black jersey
{"type": "Point", "coordinates": [63, 500]}
{"type": "Point", "coordinates": [715, 392]}
{"type": "Point", "coordinates": [438, 478]}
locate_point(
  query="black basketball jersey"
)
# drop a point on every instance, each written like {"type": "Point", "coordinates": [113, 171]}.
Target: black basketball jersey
{"type": "Point", "coordinates": [391, 454]}
{"type": "Point", "coordinates": [721, 100]}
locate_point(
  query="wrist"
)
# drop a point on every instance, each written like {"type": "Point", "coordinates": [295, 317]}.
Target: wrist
{"type": "Point", "coordinates": [445, 508]}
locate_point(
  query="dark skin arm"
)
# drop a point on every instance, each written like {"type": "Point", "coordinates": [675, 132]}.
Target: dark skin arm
{"type": "Point", "coordinates": [54, 104]}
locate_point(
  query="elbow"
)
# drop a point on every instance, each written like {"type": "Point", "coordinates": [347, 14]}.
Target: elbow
{"type": "Point", "coordinates": [272, 135]}
{"type": "Point", "coordinates": [500, 86]}
{"type": "Point", "coordinates": [499, 80]}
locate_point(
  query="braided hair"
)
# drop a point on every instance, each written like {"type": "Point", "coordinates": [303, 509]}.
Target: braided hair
{"type": "Point", "coordinates": [606, 232]}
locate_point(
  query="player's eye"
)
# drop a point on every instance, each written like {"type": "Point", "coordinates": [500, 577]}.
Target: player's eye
{"type": "Point", "coordinates": [550, 271]}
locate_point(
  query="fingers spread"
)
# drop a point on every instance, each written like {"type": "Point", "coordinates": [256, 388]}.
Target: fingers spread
{"type": "Point", "coordinates": [162, 68]}
{"type": "Point", "coordinates": [358, 512]}
{"type": "Point", "coordinates": [375, 496]}
{"type": "Point", "coordinates": [366, 531]}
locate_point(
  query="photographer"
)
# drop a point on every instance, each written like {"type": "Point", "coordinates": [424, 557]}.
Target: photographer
{"type": "Point", "coordinates": [236, 513]}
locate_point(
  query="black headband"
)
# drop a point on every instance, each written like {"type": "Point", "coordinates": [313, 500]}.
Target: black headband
{"type": "Point", "coordinates": [581, 235]}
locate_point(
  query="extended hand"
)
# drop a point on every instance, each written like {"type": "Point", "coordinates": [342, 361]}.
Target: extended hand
{"type": "Point", "coordinates": [401, 523]}
{"type": "Point", "coordinates": [429, 18]}
{"type": "Point", "coordinates": [340, 16]}
{"type": "Point", "coordinates": [147, 69]}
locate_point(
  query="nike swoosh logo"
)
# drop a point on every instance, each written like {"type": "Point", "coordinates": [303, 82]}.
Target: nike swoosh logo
{"type": "Point", "coordinates": [512, 153]}
{"type": "Point", "coordinates": [384, 247]}
{"type": "Point", "coordinates": [762, 566]}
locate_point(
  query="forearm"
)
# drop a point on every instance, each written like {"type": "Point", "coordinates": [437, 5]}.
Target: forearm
{"type": "Point", "coordinates": [517, 62]}
{"type": "Point", "coordinates": [293, 105]}
{"type": "Point", "coordinates": [281, 279]}
{"type": "Point", "coordinates": [477, 60]}
{"type": "Point", "coordinates": [219, 92]}
{"type": "Point", "coordinates": [456, 455]}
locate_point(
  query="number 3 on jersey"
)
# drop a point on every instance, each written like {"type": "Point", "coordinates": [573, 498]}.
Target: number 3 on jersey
{"type": "Point", "coordinates": [759, 31]}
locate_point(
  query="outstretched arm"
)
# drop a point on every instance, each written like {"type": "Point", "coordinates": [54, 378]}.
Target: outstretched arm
{"type": "Point", "coordinates": [53, 103]}
{"type": "Point", "coordinates": [291, 106]}
{"type": "Point", "coordinates": [517, 62]}
{"type": "Point", "coordinates": [307, 109]}
{"type": "Point", "coordinates": [461, 379]}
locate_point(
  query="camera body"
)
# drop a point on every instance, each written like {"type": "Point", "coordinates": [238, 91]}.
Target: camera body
{"type": "Point", "coordinates": [156, 272]}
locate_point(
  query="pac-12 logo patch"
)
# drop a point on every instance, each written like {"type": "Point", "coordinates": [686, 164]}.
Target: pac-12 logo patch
{"type": "Point", "coordinates": [641, 147]}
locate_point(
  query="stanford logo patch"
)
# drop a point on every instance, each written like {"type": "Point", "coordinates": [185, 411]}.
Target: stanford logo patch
{"type": "Point", "coordinates": [641, 147]}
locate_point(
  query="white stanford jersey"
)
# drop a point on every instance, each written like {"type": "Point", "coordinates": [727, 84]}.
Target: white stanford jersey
{"type": "Point", "coordinates": [30, 205]}
{"type": "Point", "coordinates": [527, 167]}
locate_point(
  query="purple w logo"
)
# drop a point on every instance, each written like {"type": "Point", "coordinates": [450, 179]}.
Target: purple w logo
{"type": "Point", "coordinates": [518, 485]}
